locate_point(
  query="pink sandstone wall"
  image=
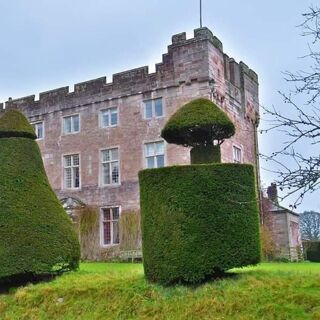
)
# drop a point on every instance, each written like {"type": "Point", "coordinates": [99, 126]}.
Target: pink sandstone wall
{"type": "Point", "coordinates": [192, 68]}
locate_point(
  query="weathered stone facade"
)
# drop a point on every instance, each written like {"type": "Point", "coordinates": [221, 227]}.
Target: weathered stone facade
{"type": "Point", "coordinates": [192, 68]}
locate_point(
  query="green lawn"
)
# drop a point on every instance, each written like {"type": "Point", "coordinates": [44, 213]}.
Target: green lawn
{"type": "Point", "coordinates": [119, 291]}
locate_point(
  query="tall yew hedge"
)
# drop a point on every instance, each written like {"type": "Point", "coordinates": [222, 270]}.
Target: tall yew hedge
{"type": "Point", "coordinates": [203, 219]}
{"type": "Point", "coordinates": [197, 220]}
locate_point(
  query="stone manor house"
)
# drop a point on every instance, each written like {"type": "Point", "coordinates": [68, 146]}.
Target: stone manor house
{"type": "Point", "coordinates": [96, 138]}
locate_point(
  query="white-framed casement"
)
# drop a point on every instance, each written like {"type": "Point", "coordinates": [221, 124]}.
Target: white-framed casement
{"type": "Point", "coordinates": [237, 153]}
{"type": "Point", "coordinates": [109, 163]}
{"type": "Point", "coordinates": [110, 226]}
{"type": "Point", "coordinates": [71, 124]}
{"type": "Point", "coordinates": [109, 117]}
{"type": "Point", "coordinates": [71, 174]}
{"type": "Point", "coordinates": [153, 108]}
{"type": "Point", "coordinates": [39, 129]}
{"type": "Point", "coordinates": [154, 154]}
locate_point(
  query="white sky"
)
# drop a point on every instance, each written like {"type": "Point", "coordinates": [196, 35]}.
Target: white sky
{"type": "Point", "coordinates": [48, 44]}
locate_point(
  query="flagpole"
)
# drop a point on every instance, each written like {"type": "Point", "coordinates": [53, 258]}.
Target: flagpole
{"type": "Point", "coordinates": [200, 13]}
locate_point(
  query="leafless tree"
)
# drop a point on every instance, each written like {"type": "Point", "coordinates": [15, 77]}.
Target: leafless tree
{"type": "Point", "coordinates": [310, 225]}
{"type": "Point", "coordinates": [299, 173]}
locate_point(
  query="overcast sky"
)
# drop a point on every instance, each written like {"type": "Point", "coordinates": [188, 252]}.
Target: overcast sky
{"type": "Point", "coordinates": [48, 44]}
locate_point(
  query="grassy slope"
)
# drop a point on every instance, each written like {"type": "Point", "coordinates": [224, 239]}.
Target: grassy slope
{"type": "Point", "coordinates": [119, 291]}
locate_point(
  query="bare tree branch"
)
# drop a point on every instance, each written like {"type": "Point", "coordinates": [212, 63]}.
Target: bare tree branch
{"type": "Point", "coordinates": [299, 174]}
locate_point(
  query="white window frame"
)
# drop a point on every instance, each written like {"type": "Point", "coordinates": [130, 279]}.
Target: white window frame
{"type": "Point", "coordinates": [153, 108]}
{"type": "Point", "coordinates": [64, 167]}
{"type": "Point", "coordinates": [155, 154]}
{"type": "Point", "coordinates": [111, 244]}
{"type": "Point", "coordinates": [35, 127]}
{"type": "Point", "coordinates": [72, 125]}
{"type": "Point", "coordinates": [109, 110]}
{"type": "Point", "coordinates": [102, 184]}
{"type": "Point", "coordinates": [234, 148]}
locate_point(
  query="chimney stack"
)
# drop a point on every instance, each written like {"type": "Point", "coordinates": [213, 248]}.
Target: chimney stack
{"type": "Point", "coordinates": [273, 193]}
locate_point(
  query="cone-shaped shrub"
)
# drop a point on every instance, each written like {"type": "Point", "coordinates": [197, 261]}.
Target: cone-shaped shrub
{"type": "Point", "coordinates": [36, 235]}
{"type": "Point", "coordinates": [199, 124]}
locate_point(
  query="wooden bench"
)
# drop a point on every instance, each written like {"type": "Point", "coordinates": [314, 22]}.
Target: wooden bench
{"type": "Point", "coordinates": [131, 255]}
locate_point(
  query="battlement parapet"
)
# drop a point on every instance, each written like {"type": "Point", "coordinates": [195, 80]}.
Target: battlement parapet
{"type": "Point", "coordinates": [94, 85]}
{"type": "Point", "coordinates": [54, 94]}
{"type": "Point", "coordinates": [28, 100]}
{"type": "Point", "coordinates": [179, 38]}
{"type": "Point", "coordinates": [249, 72]}
{"type": "Point", "coordinates": [186, 61]}
{"type": "Point", "coordinates": [200, 34]}
{"type": "Point", "coordinates": [134, 75]}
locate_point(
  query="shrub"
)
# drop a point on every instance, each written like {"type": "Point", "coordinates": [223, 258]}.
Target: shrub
{"type": "Point", "coordinates": [268, 246]}
{"type": "Point", "coordinates": [197, 220]}
{"type": "Point", "coordinates": [199, 124]}
{"type": "Point", "coordinates": [130, 231]}
{"type": "Point", "coordinates": [36, 235]}
{"type": "Point", "coordinates": [312, 250]}
{"type": "Point", "coordinates": [88, 224]}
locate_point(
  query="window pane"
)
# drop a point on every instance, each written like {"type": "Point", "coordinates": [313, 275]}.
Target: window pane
{"type": "Point", "coordinates": [150, 162]}
{"type": "Point", "coordinates": [160, 161]}
{"type": "Point", "coordinates": [236, 155]}
{"type": "Point", "coordinates": [158, 107]}
{"type": "Point", "coordinates": [159, 148]}
{"type": "Point", "coordinates": [67, 161]}
{"type": "Point", "coordinates": [105, 155]}
{"type": "Point", "coordinates": [75, 123]}
{"type": "Point", "coordinates": [67, 125]}
{"type": "Point", "coordinates": [105, 118]}
{"type": "Point", "coordinates": [114, 116]}
{"type": "Point", "coordinates": [115, 172]}
{"type": "Point", "coordinates": [148, 107]}
{"type": "Point", "coordinates": [115, 232]}
{"type": "Point", "coordinates": [39, 130]}
{"type": "Point", "coordinates": [76, 177]}
{"type": "Point", "coordinates": [106, 214]}
{"type": "Point", "coordinates": [106, 233]}
{"type": "Point", "coordinates": [114, 154]}
{"type": "Point", "coordinates": [75, 159]}
{"type": "Point", "coordinates": [115, 213]}
{"type": "Point", "coordinates": [106, 173]}
{"type": "Point", "coordinates": [67, 178]}
{"type": "Point", "coordinates": [149, 149]}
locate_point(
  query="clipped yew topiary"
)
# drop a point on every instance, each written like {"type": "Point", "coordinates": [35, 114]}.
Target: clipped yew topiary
{"type": "Point", "coordinates": [202, 125]}
{"type": "Point", "coordinates": [36, 235]}
{"type": "Point", "coordinates": [198, 220]}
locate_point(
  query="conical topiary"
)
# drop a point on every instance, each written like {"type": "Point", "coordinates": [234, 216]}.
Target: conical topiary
{"type": "Point", "coordinates": [36, 235]}
{"type": "Point", "coordinates": [202, 125]}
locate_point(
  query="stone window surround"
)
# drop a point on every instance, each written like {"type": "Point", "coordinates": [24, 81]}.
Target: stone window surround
{"type": "Point", "coordinates": [101, 185]}
{"type": "Point", "coordinates": [101, 220]}
{"type": "Point", "coordinates": [63, 187]}
{"type": "Point", "coordinates": [34, 125]}
{"type": "Point", "coordinates": [100, 117]}
{"type": "Point", "coordinates": [63, 133]}
{"type": "Point", "coordinates": [153, 108]}
{"type": "Point", "coordinates": [237, 147]}
{"type": "Point", "coordinates": [145, 165]}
